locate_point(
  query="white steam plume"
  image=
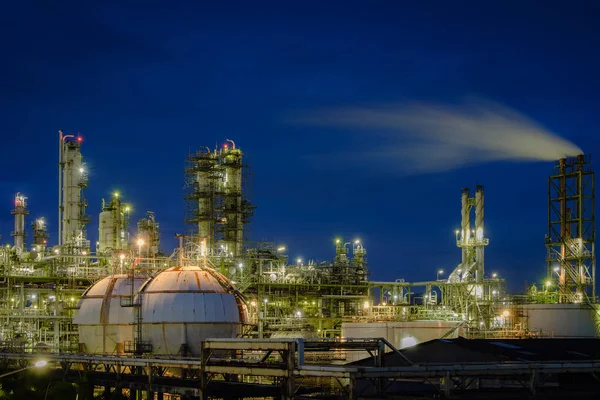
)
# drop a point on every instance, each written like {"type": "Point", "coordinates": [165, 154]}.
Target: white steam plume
{"type": "Point", "coordinates": [424, 138]}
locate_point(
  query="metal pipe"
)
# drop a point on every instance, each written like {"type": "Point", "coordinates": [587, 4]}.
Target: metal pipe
{"type": "Point", "coordinates": [479, 225]}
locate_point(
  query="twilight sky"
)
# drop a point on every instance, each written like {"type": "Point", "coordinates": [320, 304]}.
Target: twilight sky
{"type": "Point", "coordinates": [144, 82]}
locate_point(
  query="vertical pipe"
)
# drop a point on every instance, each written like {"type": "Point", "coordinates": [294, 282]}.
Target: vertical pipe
{"type": "Point", "coordinates": [580, 222]}
{"type": "Point", "coordinates": [479, 232]}
{"type": "Point", "coordinates": [563, 228]}
{"type": "Point", "coordinates": [465, 225]}
{"type": "Point", "coordinates": [60, 195]}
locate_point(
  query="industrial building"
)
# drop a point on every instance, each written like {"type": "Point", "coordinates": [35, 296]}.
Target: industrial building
{"type": "Point", "coordinates": [124, 297]}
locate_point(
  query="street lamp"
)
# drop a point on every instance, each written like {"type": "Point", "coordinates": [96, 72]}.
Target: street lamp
{"type": "Point", "coordinates": [440, 271]}
{"type": "Point", "coordinates": [37, 364]}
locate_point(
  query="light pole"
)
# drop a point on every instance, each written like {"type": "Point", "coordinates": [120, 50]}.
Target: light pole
{"type": "Point", "coordinates": [37, 364]}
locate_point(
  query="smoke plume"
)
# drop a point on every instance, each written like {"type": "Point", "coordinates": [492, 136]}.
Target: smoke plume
{"type": "Point", "coordinates": [423, 138]}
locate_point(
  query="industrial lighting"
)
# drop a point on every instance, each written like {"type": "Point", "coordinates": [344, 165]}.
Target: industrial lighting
{"type": "Point", "coordinates": [505, 313]}
{"type": "Point", "coordinates": [81, 170]}
{"type": "Point", "coordinates": [241, 265]}
{"type": "Point", "coordinates": [56, 251]}
{"type": "Point", "coordinates": [337, 241]}
{"type": "Point", "coordinates": [33, 296]}
{"type": "Point", "coordinates": [299, 260]}
{"type": "Point", "coordinates": [40, 364]}
{"type": "Point", "coordinates": [140, 242]}
{"type": "Point", "coordinates": [282, 248]}
{"type": "Point", "coordinates": [548, 283]}
{"type": "Point", "coordinates": [122, 256]}
{"type": "Point", "coordinates": [357, 241]}
{"type": "Point", "coordinates": [494, 292]}
{"type": "Point", "coordinates": [127, 209]}
{"type": "Point", "coordinates": [84, 253]}
{"type": "Point", "coordinates": [253, 303]}
{"type": "Point", "coordinates": [556, 269]}
{"type": "Point", "coordinates": [116, 194]}
{"type": "Point", "coordinates": [266, 300]}
{"type": "Point", "coordinates": [299, 314]}
{"type": "Point", "coordinates": [494, 275]}
{"type": "Point", "coordinates": [366, 305]}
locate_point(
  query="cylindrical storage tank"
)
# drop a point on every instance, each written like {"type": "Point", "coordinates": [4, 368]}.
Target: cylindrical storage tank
{"type": "Point", "coordinates": [104, 317]}
{"type": "Point", "coordinates": [182, 306]}
{"type": "Point", "coordinates": [563, 320]}
{"type": "Point", "coordinates": [106, 238]}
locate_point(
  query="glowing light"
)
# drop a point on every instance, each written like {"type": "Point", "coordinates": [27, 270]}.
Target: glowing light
{"type": "Point", "coordinates": [505, 313]}
{"type": "Point", "coordinates": [116, 194]}
{"type": "Point", "coordinates": [56, 251]}
{"type": "Point", "coordinates": [357, 241]}
{"type": "Point", "coordinates": [79, 138]}
{"type": "Point", "coordinates": [337, 241]}
{"type": "Point", "coordinates": [408, 342]}
{"type": "Point", "coordinates": [81, 170]}
{"type": "Point", "coordinates": [548, 283]}
{"type": "Point", "coordinates": [299, 314]}
{"type": "Point", "coordinates": [556, 269]}
{"type": "Point", "coordinates": [282, 248]}
{"type": "Point", "coordinates": [299, 260]}
{"type": "Point", "coordinates": [140, 242]}
{"type": "Point", "coordinates": [494, 292]}
{"type": "Point", "coordinates": [127, 209]}
{"type": "Point", "coordinates": [122, 256]}
{"type": "Point", "coordinates": [241, 265]}
{"type": "Point", "coordinates": [494, 275]}
{"type": "Point", "coordinates": [366, 305]}
{"type": "Point", "coordinates": [33, 296]}
{"type": "Point", "coordinates": [253, 303]}
{"type": "Point", "coordinates": [40, 364]}
{"type": "Point", "coordinates": [225, 146]}
{"type": "Point", "coordinates": [441, 271]}
{"type": "Point", "coordinates": [266, 300]}
{"type": "Point", "coordinates": [84, 253]}
{"type": "Point", "coordinates": [72, 298]}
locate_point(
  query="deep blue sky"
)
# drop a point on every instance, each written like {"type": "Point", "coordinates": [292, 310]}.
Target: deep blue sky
{"type": "Point", "coordinates": [144, 82]}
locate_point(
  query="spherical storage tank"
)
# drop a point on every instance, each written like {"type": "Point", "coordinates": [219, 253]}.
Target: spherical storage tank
{"type": "Point", "coordinates": [180, 307]}
{"type": "Point", "coordinates": [104, 325]}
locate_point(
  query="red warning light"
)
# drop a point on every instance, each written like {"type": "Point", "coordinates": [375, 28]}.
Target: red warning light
{"type": "Point", "coordinates": [79, 138]}
{"type": "Point", "coordinates": [45, 241]}
{"type": "Point", "coordinates": [225, 146]}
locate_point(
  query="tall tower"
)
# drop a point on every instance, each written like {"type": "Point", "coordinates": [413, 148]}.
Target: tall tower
{"type": "Point", "coordinates": [230, 185]}
{"type": "Point", "coordinates": [112, 226]}
{"type": "Point", "coordinates": [571, 230]}
{"type": "Point", "coordinates": [215, 201]}
{"type": "Point", "coordinates": [148, 233]}
{"type": "Point", "coordinates": [20, 211]}
{"type": "Point", "coordinates": [471, 241]}
{"type": "Point", "coordinates": [40, 234]}
{"type": "Point", "coordinates": [72, 180]}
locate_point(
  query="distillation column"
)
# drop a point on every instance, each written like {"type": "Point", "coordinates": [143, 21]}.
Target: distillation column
{"type": "Point", "coordinates": [232, 188]}
{"type": "Point", "coordinates": [20, 211]}
{"type": "Point", "coordinates": [72, 204]}
{"type": "Point", "coordinates": [112, 226]}
{"type": "Point", "coordinates": [148, 233]}
{"type": "Point", "coordinates": [40, 235]}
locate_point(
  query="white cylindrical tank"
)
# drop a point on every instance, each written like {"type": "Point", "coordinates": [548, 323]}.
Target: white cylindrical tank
{"type": "Point", "coordinates": [182, 306]}
{"type": "Point", "coordinates": [104, 325]}
{"type": "Point", "coordinates": [563, 320]}
{"type": "Point", "coordinates": [107, 230]}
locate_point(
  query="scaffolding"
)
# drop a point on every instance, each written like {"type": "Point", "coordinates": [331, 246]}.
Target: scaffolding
{"type": "Point", "coordinates": [571, 258]}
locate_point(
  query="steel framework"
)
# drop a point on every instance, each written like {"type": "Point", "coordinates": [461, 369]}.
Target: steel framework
{"type": "Point", "coordinates": [571, 257]}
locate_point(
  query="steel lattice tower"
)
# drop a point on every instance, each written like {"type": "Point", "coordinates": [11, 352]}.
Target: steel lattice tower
{"type": "Point", "coordinates": [571, 235]}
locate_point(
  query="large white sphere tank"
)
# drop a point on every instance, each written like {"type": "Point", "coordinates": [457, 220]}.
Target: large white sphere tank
{"type": "Point", "coordinates": [182, 306]}
{"type": "Point", "coordinates": [103, 324]}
